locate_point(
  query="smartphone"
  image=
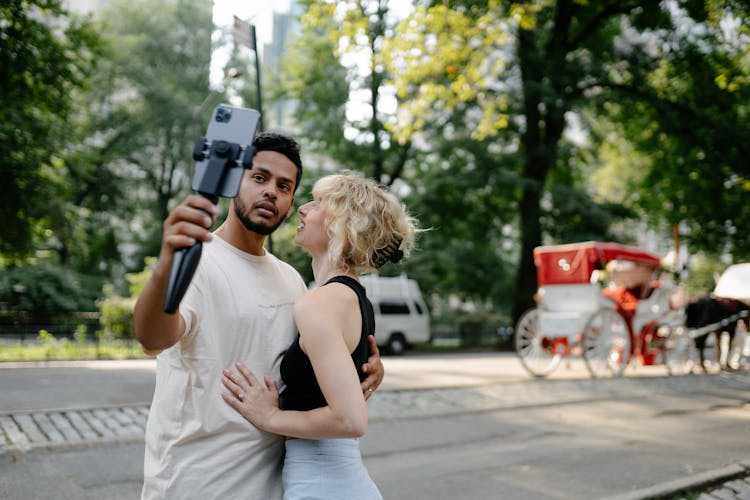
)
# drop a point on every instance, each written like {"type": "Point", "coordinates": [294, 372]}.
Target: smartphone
{"type": "Point", "coordinates": [231, 124]}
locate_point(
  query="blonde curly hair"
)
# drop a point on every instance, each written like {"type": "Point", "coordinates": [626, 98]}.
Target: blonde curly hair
{"type": "Point", "coordinates": [368, 226]}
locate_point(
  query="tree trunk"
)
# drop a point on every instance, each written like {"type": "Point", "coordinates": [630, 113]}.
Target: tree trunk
{"type": "Point", "coordinates": [545, 103]}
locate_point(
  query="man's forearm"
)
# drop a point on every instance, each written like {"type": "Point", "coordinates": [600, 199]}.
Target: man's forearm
{"type": "Point", "coordinates": [154, 328]}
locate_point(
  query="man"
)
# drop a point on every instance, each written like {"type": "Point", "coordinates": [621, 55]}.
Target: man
{"type": "Point", "coordinates": [237, 308]}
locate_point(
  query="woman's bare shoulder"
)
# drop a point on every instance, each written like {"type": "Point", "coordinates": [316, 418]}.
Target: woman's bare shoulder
{"type": "Point", "coordinates": [331, 297]}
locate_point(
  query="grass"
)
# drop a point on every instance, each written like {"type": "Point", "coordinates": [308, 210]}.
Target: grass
{"type": "Point", "coordinates": [48, 348]}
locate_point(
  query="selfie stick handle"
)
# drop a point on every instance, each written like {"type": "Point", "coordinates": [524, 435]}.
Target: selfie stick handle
{"type": "Point", "coordinates": [184, 263]}
{"type": "Point", "coordinates": [222, 156]}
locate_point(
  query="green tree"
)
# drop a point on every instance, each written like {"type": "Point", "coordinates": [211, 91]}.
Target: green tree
{"type": "Point", "coordinates": [155, 75]}
{"type": "Point", "coordinates": [693, 128]}
{"type": "Point", "coordinates": [46, 56]}
{"type": "Point", "coordinates": [336, 74]}
{"type": "Point", "coordinates": [523, 67]}
{"type": "Point", "coordinates": [462, 182]}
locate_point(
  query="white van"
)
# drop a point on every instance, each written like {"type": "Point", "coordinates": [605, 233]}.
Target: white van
{"type": "Point", "coordinates": [401, 315]}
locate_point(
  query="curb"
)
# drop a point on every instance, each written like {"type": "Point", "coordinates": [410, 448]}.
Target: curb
{"type": "Point", "coordinates": [23, 431]}
{"type": "Point", "coordinates": [697, 481]}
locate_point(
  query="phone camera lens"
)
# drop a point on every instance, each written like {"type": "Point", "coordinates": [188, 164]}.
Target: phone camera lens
{"type": "Point", "coordinates": [223, 115]}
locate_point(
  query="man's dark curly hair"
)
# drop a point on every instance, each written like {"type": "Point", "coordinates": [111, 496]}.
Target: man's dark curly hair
{"type": "Point", "coordinates": [280, 143]}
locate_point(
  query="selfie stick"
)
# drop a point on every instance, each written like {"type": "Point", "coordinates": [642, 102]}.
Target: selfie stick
{"type": "Point", "coordinates": [221, 156]}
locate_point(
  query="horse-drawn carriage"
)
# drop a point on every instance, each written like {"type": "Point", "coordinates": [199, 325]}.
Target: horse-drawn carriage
{"type": "Point", "coordinates": [603, 301]}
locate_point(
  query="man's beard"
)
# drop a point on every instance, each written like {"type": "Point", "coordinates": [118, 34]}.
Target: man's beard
{"type": "Point", "coordinates": [239, 211]}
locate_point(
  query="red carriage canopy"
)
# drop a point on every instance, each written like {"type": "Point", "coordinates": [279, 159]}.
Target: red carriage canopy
{"type": "Point", "coordinates": [574, 263]}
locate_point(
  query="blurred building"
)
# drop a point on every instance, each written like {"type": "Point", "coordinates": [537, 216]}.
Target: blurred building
{"type": "Point", "coordinates": [285, 25]}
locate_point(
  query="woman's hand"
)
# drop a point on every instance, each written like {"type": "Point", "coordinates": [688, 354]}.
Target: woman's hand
{"type": "Point", "coordinates": [373, 368]}
{"type": "Point", "coordinates": [255, 401]}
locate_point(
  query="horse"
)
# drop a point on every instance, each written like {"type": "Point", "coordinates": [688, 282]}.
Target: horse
{"type": "Point", "coordinates": [709, 310]}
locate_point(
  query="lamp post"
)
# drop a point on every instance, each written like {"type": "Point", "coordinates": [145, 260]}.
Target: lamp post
{"type": "Point", "coordinates": [231, 74]}
{"type": "Point", "coordinates": [259, 93]}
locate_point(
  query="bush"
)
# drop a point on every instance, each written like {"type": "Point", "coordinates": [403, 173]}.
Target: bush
{"type": "Point", "coordinates": [47, 289]}
{"type": "Point", "coordinates": [116, 312]}
{"type": "Point", "coordinates": [473, 324]}
{"type": "Point", "coordinates": [116, 319]}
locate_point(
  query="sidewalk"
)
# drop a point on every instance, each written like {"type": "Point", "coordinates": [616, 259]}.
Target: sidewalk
{"type": "Point", "coordinates": [78, 425]}
{"type": "Point", "coordinates": [22, 432]}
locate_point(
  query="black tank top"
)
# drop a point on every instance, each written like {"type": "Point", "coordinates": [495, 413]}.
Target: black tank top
{"type": "Point", "coordinates": [302, 391]}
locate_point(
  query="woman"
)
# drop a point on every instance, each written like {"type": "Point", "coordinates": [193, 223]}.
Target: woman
{"type": "Point", "coordinates": [351, 227]}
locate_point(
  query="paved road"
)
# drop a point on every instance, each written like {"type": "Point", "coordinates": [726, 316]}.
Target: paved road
{"type": "Point", "coordinates": [53, 385]}
{"type": "Point", "coordinates": [445, 426]}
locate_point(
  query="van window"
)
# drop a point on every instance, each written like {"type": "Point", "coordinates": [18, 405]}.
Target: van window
{"type": "Point", "coordinates": [394, 307]}
{"type": "Point", "coordinates": [419, 308]}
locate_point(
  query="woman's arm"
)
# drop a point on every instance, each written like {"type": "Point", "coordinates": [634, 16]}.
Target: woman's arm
{"type": "Point", "coordinates": [321, 319]}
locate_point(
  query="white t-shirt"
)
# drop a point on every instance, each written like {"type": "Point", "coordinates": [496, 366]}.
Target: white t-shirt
{"type": "Point", "coordinates": [238, 307]}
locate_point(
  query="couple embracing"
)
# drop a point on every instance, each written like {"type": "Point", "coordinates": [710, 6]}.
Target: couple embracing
{"type": "Point", "coordinates": [258, 380]}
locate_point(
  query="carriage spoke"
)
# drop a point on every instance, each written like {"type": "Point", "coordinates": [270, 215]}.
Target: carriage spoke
{"type": "Point", "coordinates": [606, 344]}
{"type": "Point", "coordinates": [537, 357]}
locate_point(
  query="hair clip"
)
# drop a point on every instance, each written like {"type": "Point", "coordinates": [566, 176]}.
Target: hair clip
{"type": "Point", "coordinates": [390, 252]}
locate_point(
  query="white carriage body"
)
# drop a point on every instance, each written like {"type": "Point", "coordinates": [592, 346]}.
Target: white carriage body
{"type": "Point", "coordinates": [565, 309]}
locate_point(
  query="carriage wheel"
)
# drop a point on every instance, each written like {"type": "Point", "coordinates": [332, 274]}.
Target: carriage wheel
{"type": "Point", "coordinates": [537, 358]}
{"type": "Point", "coordinates": [606, 344]}
{"type": "Point", "coordinates": [679, 350]}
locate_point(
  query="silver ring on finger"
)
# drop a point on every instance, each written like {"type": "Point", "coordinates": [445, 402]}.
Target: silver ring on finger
{"type": "Point", "coordinates": [241, 395]}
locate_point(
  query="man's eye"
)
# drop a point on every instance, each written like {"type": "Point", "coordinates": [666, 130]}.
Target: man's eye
{"type": "Point", "coordinates": [284, 187]}
{"type": "Point", "coordinates": [259, 178]}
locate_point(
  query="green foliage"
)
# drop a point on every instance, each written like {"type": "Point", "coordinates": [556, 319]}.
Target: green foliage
{"type": "Point", "coordinates": [45, 337]}
{"type": "Point", "coordinates": [464, 104]}
{"type": "Point", "coordinates": [573, 217]}
{"type": "Point", "coordinates": [443, 58]}
{"type": "Point", "coordinates": [154, 76]}
{"type": "Point", "coordinates": [51, 349]}
{"type": "Point", "coordinates": [285, 249]}
{"type": "Point", "coordinates": [116, 318]}
{"type": "Point", "coordinates": [574, 212]}
{"type": "Point", "coordinates": [334, 65]}
{"type": "Point", "coordinates": [465, 205]}
{"type": "Point", "coordinates": [137, 281]}
{"type": "Point", "coordinates": [694, 129]}
{"type": "Point", "coordinates": [473, 323]}
{"type": "Point", "coordinates": [703, 271]}
{"type": "Point", "coordinates": [46, 289]}
{"type": "Point", "coordinates": [116, 311]}
{"type": "Point", "coordinates": [314, 76]}
{"type": "Point", "coordinates": [46, 55]}
{"type": "Point", "coordinates": [580, 57]}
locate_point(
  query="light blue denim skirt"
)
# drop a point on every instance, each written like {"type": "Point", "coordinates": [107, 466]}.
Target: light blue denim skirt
{"type": "Point", "coordinates": [326, 469]}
